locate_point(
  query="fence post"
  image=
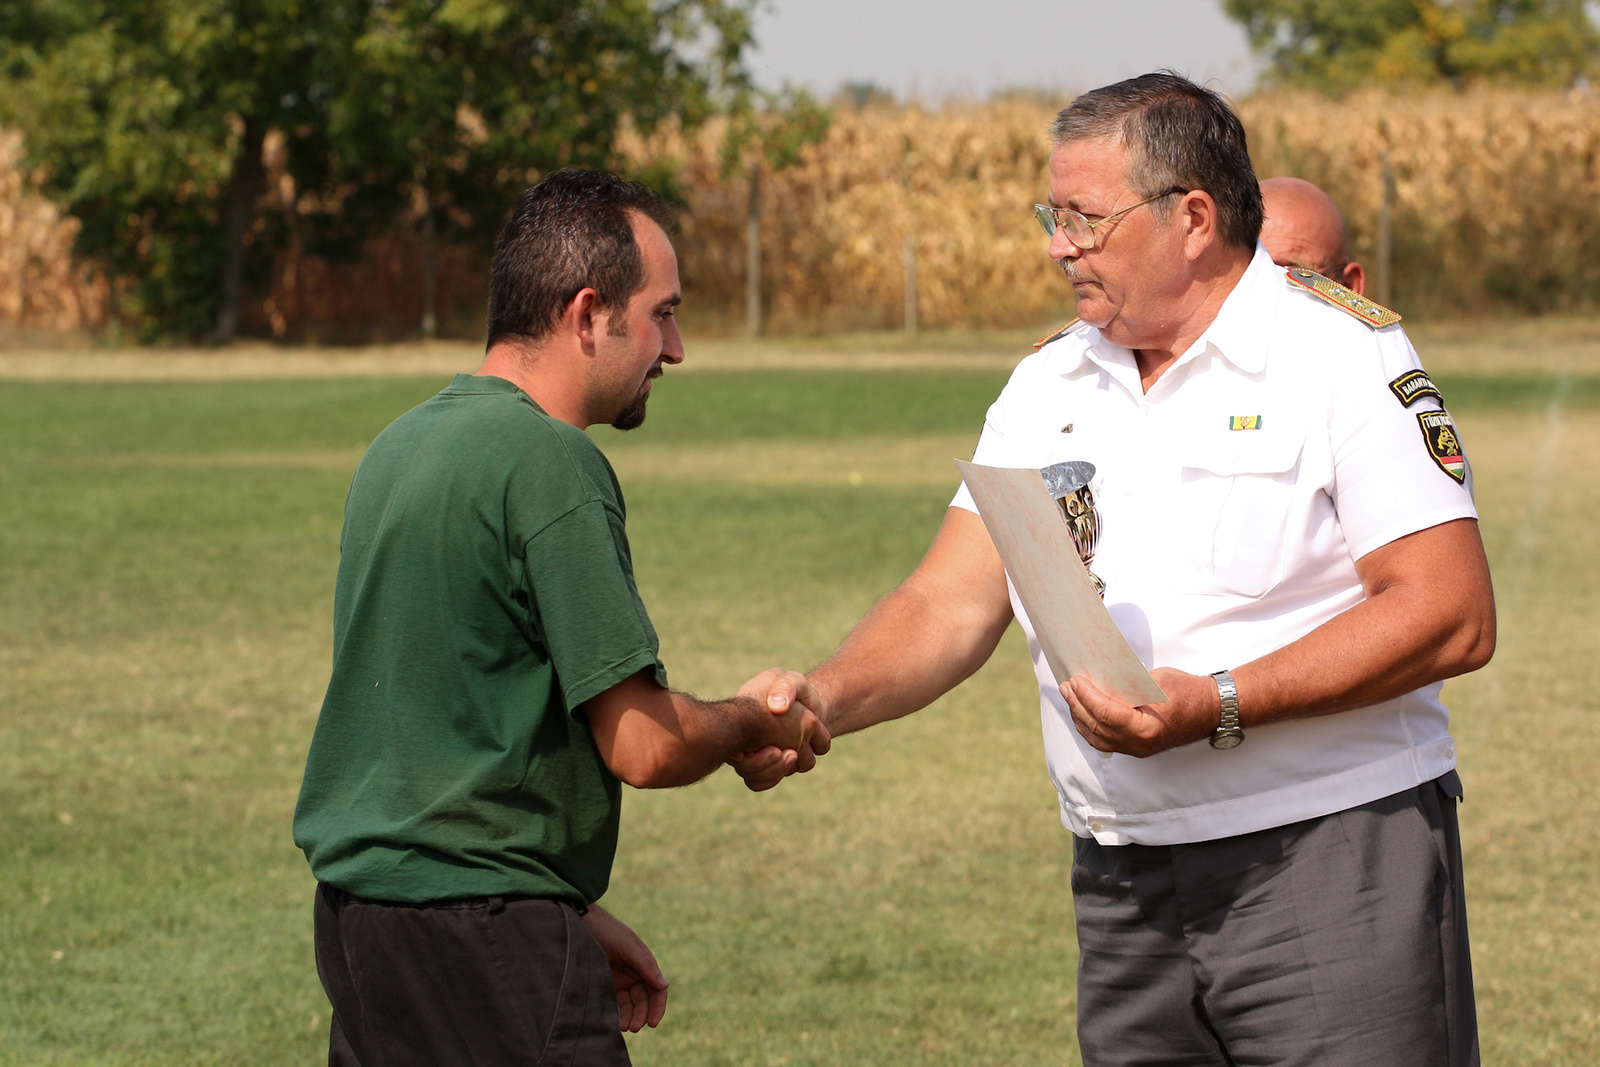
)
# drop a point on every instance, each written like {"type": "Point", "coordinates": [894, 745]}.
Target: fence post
{"type": "Point", "coordinates": [1386, 232]}
{"type": "Point", "coordinates": [752, 255]}
{"type": "Point", "coordinates": [430, 272]}
{"type": "Point", "coordinates": [909, 258]}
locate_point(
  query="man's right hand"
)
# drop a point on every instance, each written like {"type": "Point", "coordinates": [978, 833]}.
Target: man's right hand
{"type": "Point", "coordinates": [787, 694]}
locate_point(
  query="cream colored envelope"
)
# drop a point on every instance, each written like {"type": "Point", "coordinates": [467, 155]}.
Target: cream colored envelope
{"type": "Point", "coordinates": [1070, 621]}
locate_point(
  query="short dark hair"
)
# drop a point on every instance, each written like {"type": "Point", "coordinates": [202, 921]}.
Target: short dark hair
{"type": "Point", "coordinates": [572, 231]}
{"type": "Point", "coordinates": [1178, 134]}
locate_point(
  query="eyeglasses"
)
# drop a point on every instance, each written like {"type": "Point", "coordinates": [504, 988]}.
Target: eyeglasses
{"type": "Point", "coordinates": [1079, 230]}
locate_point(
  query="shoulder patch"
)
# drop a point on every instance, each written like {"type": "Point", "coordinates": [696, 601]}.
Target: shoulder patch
{"type": "Point", "coordinates": [1444, 444]}
{"type": "Point", "coordinates": [1412, 386]}
{"type": "Point", "coordinates": [1041, 342]}
{"type": "Point", "coordinates": [1347, 300]}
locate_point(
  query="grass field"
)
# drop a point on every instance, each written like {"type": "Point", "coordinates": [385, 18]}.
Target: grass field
{"type": "Point", "coordinates": [167, 552]}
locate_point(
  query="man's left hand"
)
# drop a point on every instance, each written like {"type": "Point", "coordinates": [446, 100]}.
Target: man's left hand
{"type": "Point", "coordinates": [641, 987]}
{"type": "Point", "coordinates": [1189, 714]}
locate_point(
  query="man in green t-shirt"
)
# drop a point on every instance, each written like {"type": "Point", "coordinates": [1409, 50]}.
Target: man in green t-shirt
{"type": "Point", "coordinates": [495, 674]}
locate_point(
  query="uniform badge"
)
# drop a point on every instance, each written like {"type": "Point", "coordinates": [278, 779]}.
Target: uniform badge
{"type": "Point", "coordinates": [1058, 335]}
{"type": "Point", "coordinates": [1244, 422]}
{"type": "Point", "coordinates": [1444, 444]}
{"type": "Point", "coordinates": [1375, 315]}
{"type": "Point", "coordinates": [1413, 386]}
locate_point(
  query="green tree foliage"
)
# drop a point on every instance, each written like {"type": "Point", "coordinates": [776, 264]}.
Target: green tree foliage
{"type": "Point", "coordinates": [773, 128]}
{"type": "Point", "coordinates": [147, 118]}
{"type": "Point", "coordinates": [1340, 44]}
{"type": "Point", "coordinates": [449, 110]}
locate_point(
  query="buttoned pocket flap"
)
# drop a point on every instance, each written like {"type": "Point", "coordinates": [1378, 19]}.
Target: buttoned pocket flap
{"type": "Point", "coordinates": [1237, 491]}
{"type": "Point", "coordinates": [1244, 452]}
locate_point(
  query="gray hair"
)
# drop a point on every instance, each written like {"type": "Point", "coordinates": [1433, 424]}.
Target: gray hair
{"type": "Point", "coordinates": [1178, 134]}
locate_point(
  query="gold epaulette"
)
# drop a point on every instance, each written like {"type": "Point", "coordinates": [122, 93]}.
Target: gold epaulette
{"type": "Point", "coordinates": [1348, 300]}
{"type": "Point", "coordinates": [1041, 342]}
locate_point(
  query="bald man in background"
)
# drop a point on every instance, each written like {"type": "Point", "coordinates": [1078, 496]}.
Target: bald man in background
{"type": "Point", "coordinates": [1303, 228]}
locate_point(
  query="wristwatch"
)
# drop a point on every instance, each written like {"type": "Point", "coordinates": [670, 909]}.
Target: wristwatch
{"type": "Point", "coordinates": [1227, 734]}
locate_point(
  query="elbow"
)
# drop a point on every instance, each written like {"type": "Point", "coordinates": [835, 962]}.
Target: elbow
{"type": "Point", "coordinates": [642, 770]}
{"type": "Point", "coordinates": [1472, 645]}
{"type": "Point", "coordinates": [648, 766]}
{"type": "Point", "coordinates": [1479, 652]}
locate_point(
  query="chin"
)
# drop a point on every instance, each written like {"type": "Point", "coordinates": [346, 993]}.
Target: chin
{"type": "Point", "coordinates": [631, 417]}
{"type": "Point", "coordinates": [1095, 314]}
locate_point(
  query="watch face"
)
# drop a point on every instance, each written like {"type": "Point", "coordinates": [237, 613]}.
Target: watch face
{"type": "Point", "coordinates": [1228, 740]}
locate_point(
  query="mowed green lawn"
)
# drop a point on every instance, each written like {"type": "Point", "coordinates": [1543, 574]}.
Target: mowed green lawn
{"type": "Point", "coordinates": [167, 554]}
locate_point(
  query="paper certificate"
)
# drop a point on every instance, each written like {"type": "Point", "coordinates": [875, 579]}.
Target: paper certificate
{"type": "Point", "coordinates": [1074, 630]}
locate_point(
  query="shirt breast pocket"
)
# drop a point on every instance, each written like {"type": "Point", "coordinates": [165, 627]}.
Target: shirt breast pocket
{"type": "Point", "coordinates": [1234, 502]}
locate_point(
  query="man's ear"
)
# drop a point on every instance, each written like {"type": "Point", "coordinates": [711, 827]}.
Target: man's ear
{"type": "Point", "coordinates": [1355, 278]}
{"type": "Point", "coordinates": [1197, 215]}
{"type": "Point", "coordinates": [578, 319]}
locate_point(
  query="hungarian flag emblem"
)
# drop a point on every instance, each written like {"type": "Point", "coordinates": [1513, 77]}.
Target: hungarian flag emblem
{"type": "Point", "coordinates": [1444, 443]}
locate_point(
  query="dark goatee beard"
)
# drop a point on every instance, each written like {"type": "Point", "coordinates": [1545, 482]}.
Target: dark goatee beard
{"type": "Point", "coordinates": [632, 416]}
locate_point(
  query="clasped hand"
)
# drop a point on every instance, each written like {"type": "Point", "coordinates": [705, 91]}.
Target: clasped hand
{"type": "Point", "coordinates": [784, 693]}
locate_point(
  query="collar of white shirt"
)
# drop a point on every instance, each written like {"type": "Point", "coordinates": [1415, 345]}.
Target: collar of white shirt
{"type": "Point", "coordinates": [1236, 334]}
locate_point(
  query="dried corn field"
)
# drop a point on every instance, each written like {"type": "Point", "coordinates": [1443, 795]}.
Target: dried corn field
{"type": "Point", "coordinates": [1496, 209]}
{"type": "Point", "coordinates": [1496, 205]}
{"type": "Point", "coordinates": [1496, 193]}
{"type": "Point", "coordinates": [952, 188]}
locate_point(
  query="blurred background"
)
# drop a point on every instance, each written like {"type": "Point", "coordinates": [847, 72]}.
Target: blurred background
{"type": "Point", "coordinates": [198, 170]}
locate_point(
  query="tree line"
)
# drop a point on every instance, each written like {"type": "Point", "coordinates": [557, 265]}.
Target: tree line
{"type": "Point", "coordinates": [147, 119]}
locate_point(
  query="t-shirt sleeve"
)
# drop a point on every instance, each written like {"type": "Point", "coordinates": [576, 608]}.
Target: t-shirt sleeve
{"type": "Point", "coordinates": [580, 584]}
{"type": "Point", "coordinates": [992, 450]}
{"type": "Point", "coordinates": [1398, 468]}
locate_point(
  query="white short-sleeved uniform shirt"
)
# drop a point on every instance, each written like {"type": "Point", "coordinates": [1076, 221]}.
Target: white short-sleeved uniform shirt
{"type": "Point", "coordinates": [1221, 544]}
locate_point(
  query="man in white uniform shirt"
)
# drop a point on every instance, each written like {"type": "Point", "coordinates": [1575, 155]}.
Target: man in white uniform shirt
{"type": "Point", "coordinates": [1266, 866]}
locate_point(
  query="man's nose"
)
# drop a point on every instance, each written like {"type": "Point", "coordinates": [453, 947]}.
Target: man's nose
{"type": "Point", "coordinates": [671, 343]}
{"type": "Point", "coordinates": [1061, 247]}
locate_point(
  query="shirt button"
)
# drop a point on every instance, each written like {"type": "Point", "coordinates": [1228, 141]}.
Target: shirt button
{"type": "Point", "coordinates": [1095, 826]}
{"type": "Point", "coordinates": [1102, 755]}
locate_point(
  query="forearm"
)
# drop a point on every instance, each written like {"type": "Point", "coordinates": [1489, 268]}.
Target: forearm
{"type": "Point", "coordinates": [652, 737]}
{"type": "Point", "coordinates": [1428, 615]}
{"type": "Point", "coordinates": [923, 639]}
{"type": "Point", "coordinates": [905, 654]}
{"type": "Point", "coordinates": [698, 737]}
{"type": "Point", "coordinates": [1379, 649]}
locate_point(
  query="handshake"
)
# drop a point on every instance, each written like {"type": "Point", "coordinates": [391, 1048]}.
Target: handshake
{"type": "Point", "coordinates": [803, 734]}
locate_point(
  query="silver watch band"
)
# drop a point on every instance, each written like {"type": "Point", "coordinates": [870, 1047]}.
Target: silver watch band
{"type": "Point", "coordinates": [1228, 733]}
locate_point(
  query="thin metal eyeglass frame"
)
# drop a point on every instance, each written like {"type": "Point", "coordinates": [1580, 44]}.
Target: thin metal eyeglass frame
{"type": "Point", "coordinates": [1052, 217]}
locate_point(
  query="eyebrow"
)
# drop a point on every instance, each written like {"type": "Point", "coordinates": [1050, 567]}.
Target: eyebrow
{"type": "Point", "coordinates": [1072, 205]}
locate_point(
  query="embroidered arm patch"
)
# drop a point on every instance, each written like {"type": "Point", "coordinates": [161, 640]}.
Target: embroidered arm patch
{"type": "Point", "coordinates": [1413, 386]}
{"type": "Point", "coordinates": [1444, 443]}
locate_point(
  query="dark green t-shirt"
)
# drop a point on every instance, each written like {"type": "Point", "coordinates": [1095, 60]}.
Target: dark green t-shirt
{"type": "Point", "coordinates": [485, 591]}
